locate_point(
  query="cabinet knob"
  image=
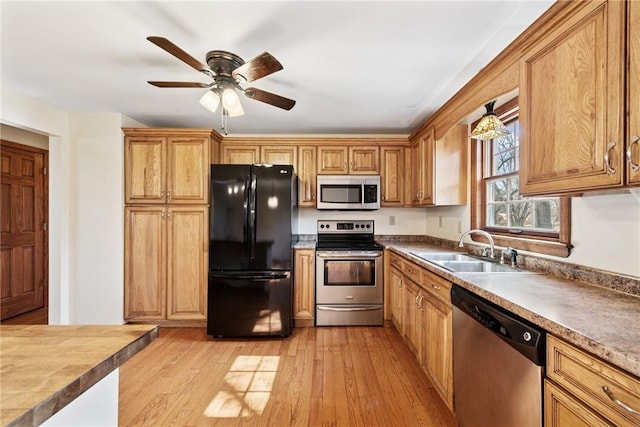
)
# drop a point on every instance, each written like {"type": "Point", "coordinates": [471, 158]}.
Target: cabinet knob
{"type": "Point", "coordinates": [436, 287]}
{"type": "Point", "coordinates": [634, 141]}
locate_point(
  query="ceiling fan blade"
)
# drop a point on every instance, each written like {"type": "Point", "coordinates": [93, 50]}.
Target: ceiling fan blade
{"type": "Point", "coordinates": [270, 98]}
{"type": "Point", "coordinates": [174, 50]}
{"type": "Point", "coordinates": [258, 67]}
{"type": "Point", "coordinates": [180, 84]}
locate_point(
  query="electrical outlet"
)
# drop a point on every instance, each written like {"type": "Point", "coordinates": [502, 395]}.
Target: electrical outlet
{"type": "Point", "coordinates": [392, 220]}
{"type": "Point", "coordinates": [440, 221]}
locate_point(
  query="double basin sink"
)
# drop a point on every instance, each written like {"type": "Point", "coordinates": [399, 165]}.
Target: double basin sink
{"type": "Point", "coordinates": [464, 263]}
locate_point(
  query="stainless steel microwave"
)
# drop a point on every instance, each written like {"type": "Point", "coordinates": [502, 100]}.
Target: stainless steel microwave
{"type": "Point", "coordinates": [348, 192]}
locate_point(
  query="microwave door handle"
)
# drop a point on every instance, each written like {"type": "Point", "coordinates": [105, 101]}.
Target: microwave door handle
{"type": "Point", "coordinates": [362, 195]}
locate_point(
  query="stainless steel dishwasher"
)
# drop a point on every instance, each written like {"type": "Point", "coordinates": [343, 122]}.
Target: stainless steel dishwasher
{"type": "Point", "coordinates": [498, 364]}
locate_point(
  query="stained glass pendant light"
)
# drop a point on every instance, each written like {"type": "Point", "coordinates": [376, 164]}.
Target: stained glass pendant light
{"type": "Point", "coordinates": [490, 126]}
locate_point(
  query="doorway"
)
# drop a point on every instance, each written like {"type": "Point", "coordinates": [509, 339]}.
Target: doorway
{"type": "Point", "coordinates": [23, 229]}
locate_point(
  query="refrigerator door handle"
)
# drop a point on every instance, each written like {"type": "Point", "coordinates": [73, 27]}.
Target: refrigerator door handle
{"type": "Point", "coordinates": [250, 276]}
{"type": "Point", "coordinates": [252, 216]}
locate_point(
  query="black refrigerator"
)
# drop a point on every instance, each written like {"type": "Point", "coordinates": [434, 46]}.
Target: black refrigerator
{"type": "Point", "coordinates": [250, 251]}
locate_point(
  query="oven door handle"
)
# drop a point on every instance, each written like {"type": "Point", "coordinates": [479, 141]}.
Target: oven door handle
{"type": "Point", "coordinates": [370, 308]}
{"type": "Point", "coordinates": [350, 255]}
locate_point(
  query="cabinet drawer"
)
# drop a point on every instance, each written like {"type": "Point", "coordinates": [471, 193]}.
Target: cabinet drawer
{"type": "Point", "coordinates": [412, 271]}
{"type": "Point", "coordinates": [587, 378]}
{"type": "Point", "coordinates": [563, 410]}
{"type": "Point", "coordinates": [437, 286]}
{"type": "Point", "coordinates": [395, 261]}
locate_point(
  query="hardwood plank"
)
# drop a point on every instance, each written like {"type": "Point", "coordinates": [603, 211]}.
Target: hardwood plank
{"type": "Point", "coordinates": [328, 376]}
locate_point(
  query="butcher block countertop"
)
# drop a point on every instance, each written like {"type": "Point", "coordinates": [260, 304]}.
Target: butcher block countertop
{"type": "Point", "coordinates": [43, 368]}
{"type": "Point", "coordinates": [602, 321]}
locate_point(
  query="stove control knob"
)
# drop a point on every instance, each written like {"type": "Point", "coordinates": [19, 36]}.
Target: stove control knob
{"type": "Point", "coordinates": [357, 225]}
{"type": "Point", "coordinates": [368, 225]}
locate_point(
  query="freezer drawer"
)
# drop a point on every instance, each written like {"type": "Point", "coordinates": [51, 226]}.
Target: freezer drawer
{"type": "Point", "coordinates": [250, 304]}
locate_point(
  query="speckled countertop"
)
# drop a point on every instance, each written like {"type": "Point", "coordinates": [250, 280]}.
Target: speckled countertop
{"type": "Point", "coordinates": [602, 321]}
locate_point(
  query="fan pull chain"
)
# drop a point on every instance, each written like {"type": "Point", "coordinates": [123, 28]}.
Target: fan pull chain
{"type": "Point", "coordinates": [225, 117]}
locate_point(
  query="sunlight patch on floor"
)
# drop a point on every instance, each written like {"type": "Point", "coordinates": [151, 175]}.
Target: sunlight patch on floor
{"type": "Point", "coordinates": [247, 388]}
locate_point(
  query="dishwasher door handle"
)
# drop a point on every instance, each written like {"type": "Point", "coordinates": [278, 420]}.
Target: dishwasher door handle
{"type": "Point", "coordinates": [369, 308]}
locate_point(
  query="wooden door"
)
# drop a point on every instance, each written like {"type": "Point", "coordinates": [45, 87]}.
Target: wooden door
{"type": "Point", "coordinates": [279, 155]}
{"type": "Point", "coordinates": [391, 160]}
{"type": "Point", "coordinates": [304, 287]}
{"type": "Point", "coordinates": [437, 345]}
{"type": "Point", "coordinates": [571, 104]}
{"type": "Point", "coordinates": [188, 170]}
{"type": "Point", "coordinates": [364, 160]}
{"type": "Point", "coordinates": [307, 176]}
{"type": "Point", "coordinates": [145, 249]}
{"type": "Point", "coordinates": [395, 287]}
{"type": "Point", "coordinates": [333, 160]}
{"type": "Point", "coordinates": [145, 172]}
{"type": "Point", "coordinates": [633, 94]}
{"type": "Point", "coordinates": [240, 155]}
{"type": "Point", "coordinates": [187, 262]}
{"type": "Point", "coordinates": [23, 234]}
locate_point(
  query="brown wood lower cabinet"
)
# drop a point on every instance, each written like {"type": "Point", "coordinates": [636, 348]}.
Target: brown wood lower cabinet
{"type": "Point", "coordinates": [421, 311]}
{"type": "Point", "coordinates": [582, 390]}
{"type": "Point", "coordinates": [166, 252]}
{"type": "Point", "coordinates": [304, 288]}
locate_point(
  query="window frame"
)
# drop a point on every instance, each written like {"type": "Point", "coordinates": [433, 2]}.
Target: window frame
{"type": "Point", "coordinates": [535, 241]}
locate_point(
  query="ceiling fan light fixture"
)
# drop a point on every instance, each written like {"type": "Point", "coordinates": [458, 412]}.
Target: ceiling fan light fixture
{"type": "Point", "coordinates": [490, 126]}
{"type": "Point", "coordinates": [231, 103]}
{"type": "Point", "coordinates": [210, 101]}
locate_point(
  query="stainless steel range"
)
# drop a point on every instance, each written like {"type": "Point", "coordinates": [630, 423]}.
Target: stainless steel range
{"type": "Point", "coordinates": [348, 274]}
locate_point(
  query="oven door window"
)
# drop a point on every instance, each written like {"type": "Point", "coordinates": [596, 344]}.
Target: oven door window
{"type": "Point", "coordinates": [349, 273]}
{"type": "Point", "coordinates": [349, 193]}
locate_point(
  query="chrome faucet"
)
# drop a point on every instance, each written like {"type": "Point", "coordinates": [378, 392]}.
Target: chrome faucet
{"type": "Point", "coordinates": [485, 234]}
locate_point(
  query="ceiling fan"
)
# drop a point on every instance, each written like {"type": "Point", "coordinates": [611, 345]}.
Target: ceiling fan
{"type": "Point", "coordinates": [228, 71]}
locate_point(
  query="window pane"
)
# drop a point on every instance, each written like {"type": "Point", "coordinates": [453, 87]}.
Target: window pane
{"type": "Point", "coordinates": [497, 190]}
{"type": "Point", "coordinates": [547, 213]}
{"type": "Point", "coordinates": [504, 162]}
{"type": "Point", "coordinates": [497, 215]}
{"type": "Point", "coordinates": [520, 215]}
{"type": "Point", "coordinates": [514, 188]}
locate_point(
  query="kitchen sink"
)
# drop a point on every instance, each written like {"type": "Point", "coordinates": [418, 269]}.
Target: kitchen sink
{"type": "Point", "coordinates": [444, 256]}
{"type": "Point", "coordinates": [464, 263]}
{"type": "Point", "coordinates": [477, 266]}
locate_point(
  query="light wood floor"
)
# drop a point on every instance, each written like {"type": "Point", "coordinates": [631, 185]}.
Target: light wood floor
{"type": "Point", "coordinates": [330, 376]}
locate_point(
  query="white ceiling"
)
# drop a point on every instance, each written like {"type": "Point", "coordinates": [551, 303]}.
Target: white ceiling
{"type": "Point", "coordinates": [363, 67]}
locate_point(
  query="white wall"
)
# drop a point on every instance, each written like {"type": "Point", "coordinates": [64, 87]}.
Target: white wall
{"type": "Point", "coordinates": [408, 221]}
{"type": "Point", "coordinates": [86, 241]}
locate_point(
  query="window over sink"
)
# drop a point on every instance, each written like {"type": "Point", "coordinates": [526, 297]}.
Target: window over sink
{"type": "Point", "coordinates": [537, 224]}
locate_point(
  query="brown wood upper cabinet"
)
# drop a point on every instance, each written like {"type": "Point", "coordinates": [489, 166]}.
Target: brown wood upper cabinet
{"type": "Point", "coordinates": [391, 175]}
{"type": "Point", "coordinates": [573, 103]}
{"type": "Point", "coordinates": [352, 160]}
{"type": "Point", "coordinates": [438, 172]}
{"type": "Point", "coordinates": [307, 159]}
{"type": "Point", "coordinates": [166, 168]}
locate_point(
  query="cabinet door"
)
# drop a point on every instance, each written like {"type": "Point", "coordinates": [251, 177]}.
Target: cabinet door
{"type": "Point", "coordinates": [395, 287]}
{"type": "Point", "coordinates": [392, 159]}
{"type": "Point", "coordinates": [145, 173]}
{"type": "Point", "coordinates": [145, 263]}
{"type": "Point", "coordinates": [571, 104]}
{"type": "Point", "coordinates": [188, 174]}
{"type": "Point", "coordinates": [412, 316]}
{"type": "Point", "coordinates": [304, 287]}
{"type": "Point", "coordinates": [187, 262]}
{"type": "Point", "coordinates": [243, 155]}
{"type": "Point", "coordinates": [333, 160]}
{"type": "Point", "coordinates": [279, 155]}
{"type": "Point", "coordinates": [307, 176]}
{"type": "Point", "coordinates": [437, 345]}
{"type": "Point", "coordinates": [364, 160]}
{"type": "Point", "coordinates": [422, 168]}
{"type": "Point", "coordinates": [449, 159]}
{"type": "Point", "coordinates": [633, 93]}
{"type": "Point", "coordinates": [561, 409]}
